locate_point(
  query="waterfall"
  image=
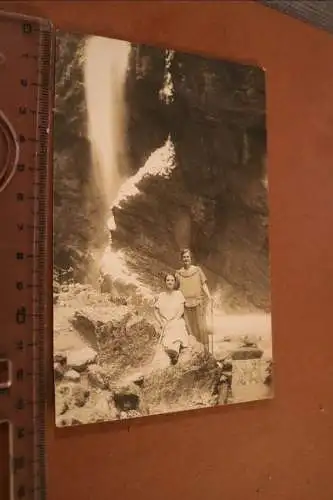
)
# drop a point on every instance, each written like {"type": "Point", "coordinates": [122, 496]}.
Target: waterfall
{"type": "Point", "coordinates": [106, 63]}
{"type": "Point", "coordinates": [160, 163]}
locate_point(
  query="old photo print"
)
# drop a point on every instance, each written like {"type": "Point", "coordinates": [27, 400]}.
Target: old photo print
{"type": "Point", "coordinates": [161, 278]}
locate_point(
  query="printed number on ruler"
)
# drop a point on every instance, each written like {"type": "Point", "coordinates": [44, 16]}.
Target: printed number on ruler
{"type": "Point", "coordinates": [26, 54]}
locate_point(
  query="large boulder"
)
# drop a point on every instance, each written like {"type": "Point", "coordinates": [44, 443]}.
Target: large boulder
{"type": "Point", "coordinates": [123, 339]}
{"type": "Point", "coordinates": [243, 353]}
{"type": "Point", "coordinates": [71, 395]}
{"type": "Point", "coordinates": [160, 387]}
{"type": "Point", "coordinates": [97, 323]}
{"type": "Point", "coordinates": [98, 376]}
{"type": "Point", "coordinates": [191, 383]}
{"type": "Point", "coordinates": [251, 380]}
{"type": "Point", "coordinates": [58, 371]}
{"type": "Point", "coordinates": [127, 397]}
{"type": "Point", "coordinates": [80, 359]}
{"type": "Point", "coordinates": [72, 376]}
{"type": "Point", "coordinates": [98, 407]}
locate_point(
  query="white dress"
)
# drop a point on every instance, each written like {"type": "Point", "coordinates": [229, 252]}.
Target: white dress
{"type": "Point", "coordinates": [174, 331]}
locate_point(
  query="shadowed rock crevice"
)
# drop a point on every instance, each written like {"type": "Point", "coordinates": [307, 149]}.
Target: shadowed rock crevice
{"type": "Point", "coordinates": [148, 123]}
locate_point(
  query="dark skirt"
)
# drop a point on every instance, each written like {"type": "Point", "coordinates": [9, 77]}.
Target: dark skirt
{"type": "Point", "coordinates": [195, 318]}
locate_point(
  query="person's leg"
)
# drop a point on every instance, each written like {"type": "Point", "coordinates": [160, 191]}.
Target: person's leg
{"type": "Point", "coordinates": [194, 317]}
{"type": "Point", "coordinates": [171, 345]}
{"type": "Point", "coordinates": [176, 351]}
{"type": "Point", "coordinates": [191, 323]}
{"type": "Point", "coordinates": [177, 345]}
{"type": "Point", "coordinates": [202, 327]}
{"type": "Point", "coordinates": [197, 323]}
{"type": "Point", "coordinates": [183, 334]}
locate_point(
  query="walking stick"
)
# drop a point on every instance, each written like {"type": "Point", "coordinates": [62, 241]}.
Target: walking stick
{"type": "Point", "coordinates": [162, 331]}
{"type": "Point", "coordinates": [212, 327]}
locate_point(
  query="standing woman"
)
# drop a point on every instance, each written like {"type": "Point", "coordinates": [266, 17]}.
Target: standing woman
{"type": "Point", "coordinates": [169, 312]}
{"type": "Point", "coordinates": [193, 284]}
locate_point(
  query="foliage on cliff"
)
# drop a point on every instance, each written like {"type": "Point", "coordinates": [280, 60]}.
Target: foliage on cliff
{"type": "Point", "coordinates": [77, 205]}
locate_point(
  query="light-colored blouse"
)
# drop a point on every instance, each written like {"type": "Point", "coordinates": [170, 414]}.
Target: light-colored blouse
{"type": "Point", "coordinates": [169, 304]}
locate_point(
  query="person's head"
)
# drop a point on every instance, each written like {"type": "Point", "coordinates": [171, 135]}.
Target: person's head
{"type": "Point", "coordinates": [171, 282]}
{"type": "Point", "coordinates": [186, 257]}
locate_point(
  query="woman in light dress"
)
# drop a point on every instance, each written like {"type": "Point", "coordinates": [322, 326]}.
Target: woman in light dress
{"type": "Point", "coordinates": [169, 312]}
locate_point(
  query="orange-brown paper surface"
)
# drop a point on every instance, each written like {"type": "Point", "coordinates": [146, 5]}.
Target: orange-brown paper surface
{"type": "Point", "coordinates": [274, 449]}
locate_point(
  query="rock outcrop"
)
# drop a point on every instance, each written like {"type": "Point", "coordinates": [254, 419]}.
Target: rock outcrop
{"type": "Point", "coordinates": [214, 200]}
{"type": "Point", "coordinates": [196, 152]}
{"type": "Point", "coordinates": [123, 338]}
{"type": "Point", "coordinates": [215, 196]}
{"type": "Point", "coordinates": [147, 123]}
{"type": "Point", "coordinates": [128, 374]}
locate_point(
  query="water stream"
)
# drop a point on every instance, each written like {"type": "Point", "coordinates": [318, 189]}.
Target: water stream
{"type": "Point", "coordinates": [106, 68]}
{"type": "Point", "coordinates": [105, 74]}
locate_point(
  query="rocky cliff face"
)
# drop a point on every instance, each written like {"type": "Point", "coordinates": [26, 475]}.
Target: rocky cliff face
{"type": "Point", "coordinates": [148, 124]}
{"type": "Point", "coordinates": [77, 206]}
{"type": "Point", "coordinates": [215, 199]}
{"type": "Point", "coordinates": [201, 121]}
{"type": "Point", "coordinates": [196, 147]}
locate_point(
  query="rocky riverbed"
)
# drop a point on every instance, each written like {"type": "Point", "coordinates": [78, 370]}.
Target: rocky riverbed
{"type": "Point", "coordinates": [109, 365]}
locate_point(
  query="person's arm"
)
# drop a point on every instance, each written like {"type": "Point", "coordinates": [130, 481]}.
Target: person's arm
{"type": "Point", "coordinates": [206, 291]}
{"type": "Point", "coordinates": [160, 319]}
{"type": "Point", "coordinates": [204, 285]}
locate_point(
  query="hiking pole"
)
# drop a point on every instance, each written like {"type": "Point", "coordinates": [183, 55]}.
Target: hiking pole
{"type": "Point", "coordinates": [162, 331]}
{"type": "Point", "coordinates": [212, 326]}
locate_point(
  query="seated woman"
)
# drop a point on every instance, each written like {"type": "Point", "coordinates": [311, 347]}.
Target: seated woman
{"type": "Point", "coordinates": [169, 312]}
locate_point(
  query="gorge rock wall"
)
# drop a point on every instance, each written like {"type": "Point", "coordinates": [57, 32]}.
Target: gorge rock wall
{"type": "Point", "coordinates": [215, 197]}
{"type": "Point", "coordinates": [147, 120]}
{"type": "Point", "coordinates": [77, 206]}
{"type": "Point", "coordinates": [215, 200]}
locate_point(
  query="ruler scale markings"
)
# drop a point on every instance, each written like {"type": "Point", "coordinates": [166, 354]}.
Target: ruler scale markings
{"type": "Point", "coordinates": [23, 245]}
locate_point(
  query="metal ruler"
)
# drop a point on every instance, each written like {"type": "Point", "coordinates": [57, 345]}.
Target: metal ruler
{"type": "Point", "coordinates": [26, 81]}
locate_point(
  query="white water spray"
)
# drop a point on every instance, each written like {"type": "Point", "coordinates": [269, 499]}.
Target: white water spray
{"type": "Point", "coordinates": [105, 76]}
{"type": "Point", "coordinates": [105, 73]}
{"type": "Point", "coordinates": [159, 164]}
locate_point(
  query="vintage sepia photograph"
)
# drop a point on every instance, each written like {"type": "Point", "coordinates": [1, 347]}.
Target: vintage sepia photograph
{"type": "Point", "coordinates": [161, 264]}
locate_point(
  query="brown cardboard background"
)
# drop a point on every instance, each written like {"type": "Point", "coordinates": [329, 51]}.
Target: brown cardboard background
{"type": "Point", "coordinates": [279, 449]}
